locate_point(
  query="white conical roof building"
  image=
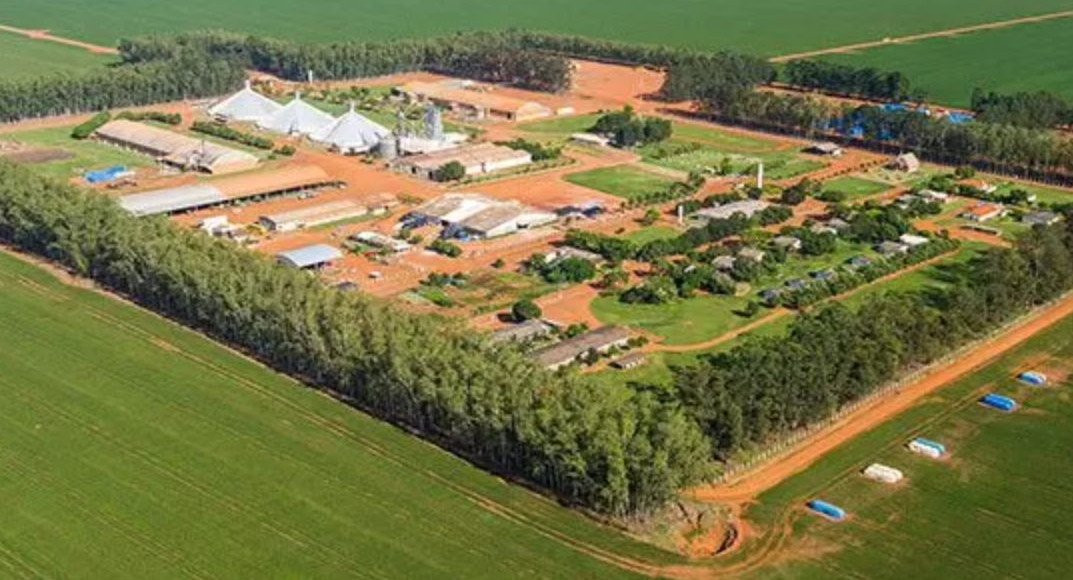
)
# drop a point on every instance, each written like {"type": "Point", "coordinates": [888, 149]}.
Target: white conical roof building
{"type": "Point", "coordinates": [297, 118]}
{"type": "Point", "coordinates": [245, 105]}
{"type": "Point", "coordinates": [352, 133]}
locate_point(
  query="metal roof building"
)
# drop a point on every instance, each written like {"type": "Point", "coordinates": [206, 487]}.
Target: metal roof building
{"type": "Point", "coordinates": [568, 351]}
{"type": "Point", "coordinates": [313, 256]}
{"type": "Point", "coordinates": [478, 158]}
{"type": "Point", "coordinates": [174, 148]}
{"type": "Point", "coordinates": [297, 118]}
{"type": "Point", "coordinates": [315, 215]}
{"type": "Point", "coordinates": [351, 133]}
{"type": "Point", "coordinates": [747, 207]}
{"type": "Point", "coordinates": [482, 215]}
{"type": "Point", "coordinates": [476, 103]}
{"type": "Point", "coordinates": [226, 190]}
{"type": "Point", "coordinates": [245, 105]}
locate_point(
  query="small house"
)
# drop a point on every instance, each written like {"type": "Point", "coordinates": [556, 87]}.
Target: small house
{"type": "Point", "coordinates": [825, 148]}
{"type": "Point", "coordinates": [983, 212]}
{"type": "Point", "coordinates": [889, 248]}
{"type": "Point", "coordinates": [906, 162]}
{"type": "Point", "coordinates": [912, 240]}
{"type": "Point", "coordinates": [787, 243]}
{"type": "Point", "coordinates": [630, 361]}
{"type": "Point", "coordinates": [932, 195]}
{"type": "Point", "coordinates": [859, 262]}
{"type": "Point", "coordinates": [752, 255]}
{"type": "Point", "coordinates": [724, 263]}
{"type": "Point", "coordinates": [979, 185]}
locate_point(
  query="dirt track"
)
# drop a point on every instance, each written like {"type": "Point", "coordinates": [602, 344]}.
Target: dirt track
{"type": "Point", "coordinates": [923, 36]}
{"type": "Point", "coordinates": [45, 35]}
{"type": "Point", "coordinates": [770, 474]}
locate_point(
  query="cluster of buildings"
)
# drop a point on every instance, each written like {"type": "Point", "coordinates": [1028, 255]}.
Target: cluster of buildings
{"type": "Point", "coordinates": [327, 213]}
{"type": "Point", "coordinates": [468, 100]}
{"type": "Point", "coordinates": [475, 216]}
{"type": "Point", "coordinates": [747, 207]}
{"type": "Point", "coordinates": [476, 159]}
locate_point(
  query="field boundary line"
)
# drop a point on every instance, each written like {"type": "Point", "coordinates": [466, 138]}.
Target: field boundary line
{"type": "Point", "coordinates": [924, 36]}
{"type": "Point", "coordinates": [46, 35]}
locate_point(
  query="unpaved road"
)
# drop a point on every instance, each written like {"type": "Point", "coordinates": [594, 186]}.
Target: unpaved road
{"type": "Point", "coordinates": [924, 36]}
{"type": "Point", "coordinates": [45, 35]}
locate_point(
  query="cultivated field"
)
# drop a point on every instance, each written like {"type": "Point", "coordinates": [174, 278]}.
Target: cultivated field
{"type": "Point", "coordinates": [1017, 58]}
{"type": "Point", "coordinates": [999, 506]}
{"type": "Point", "coordinates": [134, 449]}
{"type": "Point", "coordinates": [765, 26]}
{"type": "Point", "coordinates": [26, 57]}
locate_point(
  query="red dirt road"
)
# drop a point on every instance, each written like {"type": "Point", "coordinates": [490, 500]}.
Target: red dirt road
{"type": "Point", "coordinates": [755, 482]}
{"type": "Point", "coordinates": [45, 35]}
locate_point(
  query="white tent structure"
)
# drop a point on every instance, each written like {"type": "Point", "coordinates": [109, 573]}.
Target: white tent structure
{"type": "Point", "coordinates": [245, 105]}
{"type": "Point", "coordinates": [297, 118]}
{"type": "Point", "coordinates": [351, 133]}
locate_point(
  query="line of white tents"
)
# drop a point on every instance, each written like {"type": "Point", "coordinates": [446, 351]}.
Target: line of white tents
{"type": "Point", "coordinates": [350, 133]}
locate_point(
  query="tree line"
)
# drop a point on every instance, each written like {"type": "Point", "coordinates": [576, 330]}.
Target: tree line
{"type": "Point", "coordinates": [768, 387]}
{"type": "Point", "coordinates": [849, 80]}
{"type": "Point", "coordinates": [608, 448]}
{"type": "Point", "coordinates": [1039, 110]}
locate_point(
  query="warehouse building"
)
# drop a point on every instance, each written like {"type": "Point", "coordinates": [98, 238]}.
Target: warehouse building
{"type": "Point", "coordinates": [246, 105]}
{"type": "Point", "coordinates": [473, 103]}
{"type": "Point", "coordinates": [477, 159]}
{"type": "Point", "coordinates": [309, 257]}
{"type": "Point", "coordinates": [175, 149]}
{"type": "Point", "coordinates": [748, 208]}
{"type": "Point", "coordinates": [522, 332]}
{"type": "Point", "coordinates": [312, 216]}
{"type": "Point", "coordinates": [228, 190]}
{"type": "Point", "coordinates": [351, 134]}
{"type": "Point", "coordinates": [472, 215]}
{"type": "Point", "coordinates": [570, 350]}
{"type": "Point", "coordinates": [378, 240]}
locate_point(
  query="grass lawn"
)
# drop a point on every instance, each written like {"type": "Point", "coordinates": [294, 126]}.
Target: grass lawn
{"type": "Point", "coordinates": [625, 181]}
{"type": "Point", "coordinates": [491, 290]}
{"type": "Point", "coordinates": [1010, 227]}
{"type": "Point", "coordinates": [562, 126]}
{"type": "Point", "coordinates": [87, 154]}
{"type": "Point", "coordinates": [766, 27]}
{"type": "Point", "coordinates": [650, 233]}
{"type": "Point", "coordinates": [723, 139]}
{"type": "Point", "coordinates": [134, 448]}
{"type": "Point", "coordinates": [1007, 60]}
{"type": "Point", "coordinates": [694, 320]}
{"type": "Point", "coordinates": [685, 155]}
{"type": "Point", "coordinates": [1044, 194]}
{"type": "Point", "coordinates": [27, 57]}
{"type": "Point", "coordinates": [938, 275]}
{"type": "Point", "coordinates": [999, 507]}
{"type": "Point", "coordinates": [855, 187]}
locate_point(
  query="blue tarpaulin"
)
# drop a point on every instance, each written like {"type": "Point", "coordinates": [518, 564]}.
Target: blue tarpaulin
{"type": "Point", "coordinates": [999, 402]}
{"type": "Point", "coordinates": [828, 509]}
{"type": "Point", "coordinates": [1033, 378]}
{"type": "Point", "coordinates": [106, 174]}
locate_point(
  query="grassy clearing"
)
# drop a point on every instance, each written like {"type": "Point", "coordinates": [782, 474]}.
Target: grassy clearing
{"type": "Point", "coordinates": [651, 233]}
{"type": "Point", "coordinates": [787, 26]}
{"type": "Point", "coordinates": [938, 275]}
{"type": "Point", "coordinates": [192, 461]}
{"type": "Point", "coordinates": [86, 154]}
{"type": "Point", "coordinates": [625, 181]}
{"type": "Point", "coordinates": [27, 57]}
{"type": "Point", "coordinates": [855, 187]}
{"type": "Point", "coordinates": [562, 126]}
{"type": "Point", "coordinates": [1018, 58]}
{"type": "Point", "coordinates": [999, 507]}
{"type": "Point", "coordinates": [680, 322]}
{"type": "Point", "coordinates": [685, 155]}
{"type": "Point", "coordinates": [1043, 193]}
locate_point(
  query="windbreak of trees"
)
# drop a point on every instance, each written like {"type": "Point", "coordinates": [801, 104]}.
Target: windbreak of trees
{"type": "Point", "coordinates": [844, 79]}
{"type": "Point", "coordinates": [768, 387]}
{"type": "Point", "coordinates": [1041, 110]}
{"type": "Point", "coordinates": [608, 448]}
{"type": "Point", "coordinates": [181, 76]}
{"type": "Point", "coordinates": [489, 56]}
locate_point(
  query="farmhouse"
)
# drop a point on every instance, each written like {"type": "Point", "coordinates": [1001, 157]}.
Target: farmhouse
{"type": "Point", "coordinates": [858, 262]}
{"type": "Point", "coordinates": [313, 216]}
{"type": "Point", "coordinates": [175, 149]}
{"type": "Point", "coordinates": [932, 195]}
{"type": "Point", "coordinates": [787, 243]}
{"type": "Point", "coordinates": [630, 361]}
{"type": "Point", "coordinates": [467, 215]}
{"type": "Point", "coordinates": [752, 255]}
{"type": "Point", "coordinates": [983, 212]}
{"type": "Point", "coordinates": [748, 208]}
{"type": "Point", "coordinates": [477, 159]}
{"type": "Point", "coordinates": [979, 185]}
{"type": "Point", "coordinates": [297, 118]}
{"type": "Point", "coordinates": [352, 133]}
{"type": "Point", "coordinates": [522, 332]}
{"type": "Point", "coordinates": [724, 263]}
{"type": "Point", "coordinates": [1041, 218]}
{"type": "Point", "coordinates": [825, 148]}
{"type": "Point", "coordinates": [310, 257]}
{"type": "Point", "coordinates": [913, 240]}
{"type": "Point", "coordinates": [570, 350]}
{"type": "Point", "coordinates": [246, 105]}
{"type": "Point", "coordinates": [906, 162]}
{"type": "Point", "coordinates": [473, 102]}
{"type": "Point", "coordinates": [227, 190]}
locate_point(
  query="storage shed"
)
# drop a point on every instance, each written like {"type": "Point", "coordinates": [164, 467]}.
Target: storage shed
{"type": "Point", "coordinates": [175, 149]}
{"type": "Point", "coordinates": [1000, 402]}
{"type": "Point", "coordinates": [883, 473]}
{"type": "Point", "coordinates": [826, 509]}
{"type": "Point", "coordinates": [312, 216]}
{"type": "Point", "coordinates": [307, 257]}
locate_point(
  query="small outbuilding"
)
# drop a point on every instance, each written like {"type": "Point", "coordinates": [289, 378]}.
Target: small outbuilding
{"type": "Point", "coordinates": [1041, 218]}
{"type": "Point", "coordinates": [883, 473]}
{"type": "Point", "coordinates": [826, 509]}
{"type": "Point", "coordinates": [1000, 402]}
{"type": "Point", "coordinates": [310, 257]}
{"type": "Point", "coordinates": [630, 361]}
{"type": "Point", "coordinates": [906, 162]}
{"type": "Point", "coordinates": [1036, 379]}
{"type": "Point", "coordinates": [825, 148]}
{"type": "Point", "coordinates": [912, 240]}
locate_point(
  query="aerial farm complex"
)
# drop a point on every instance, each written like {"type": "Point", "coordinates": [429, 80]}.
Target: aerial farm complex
{"type": "Point", "coordinates": [752, 315]}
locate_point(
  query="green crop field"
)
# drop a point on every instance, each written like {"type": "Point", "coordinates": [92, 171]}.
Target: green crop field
{"type": "Point", "coordinates": [134, 448]}
{"type": "Point", "coordinates": [1001, 506]}
{"type": "Point", "coordinates": [1017, 58]}
{"type": "Point", "coordinates": [625, 181]}
{"type": "Point", "coordinates": [26, 57]}
{"type": "Point", "coordinates": [761, 26]}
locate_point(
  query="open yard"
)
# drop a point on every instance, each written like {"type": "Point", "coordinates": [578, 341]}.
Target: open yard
{"type": "Point", "coordinates": [625, 181]}
{"type": "Point", "coordinates": [1018, 58]}
{"type": "Point", "coordinates": [1000, 506]}
{"type": "Point", "coordinates": [762, 26]}
{"type": "Point", "coordinates": [27, 57]}
{"type": "Point", "coordinates": [134, 448]}
{"type": "Point", "coordinates": [854, 187]}
{"type": "Point", "coordinates": [687, 155]}
{"type": "Point", "coordinates": [86, 154]}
